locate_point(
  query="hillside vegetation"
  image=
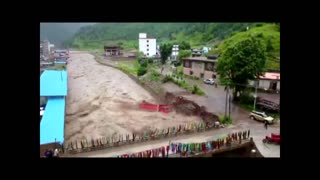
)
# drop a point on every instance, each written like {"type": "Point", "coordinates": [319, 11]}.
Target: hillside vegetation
{"type": "Point", "coordinates": [57, 33]}
{"type": "Point", "coordinates": [269, 34]}
{"type": "Point", "coordinates": [127, 33]}
{"type": "Point", "coordinates": [221, 35]}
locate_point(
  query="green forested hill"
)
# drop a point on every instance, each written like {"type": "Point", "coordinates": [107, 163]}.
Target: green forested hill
{"type": "Point", "coordinates": [57, 33]}
{"type": "Point", "coordinates": [197, 34]}
{"type": "Point", "coordinates": [127, 33]}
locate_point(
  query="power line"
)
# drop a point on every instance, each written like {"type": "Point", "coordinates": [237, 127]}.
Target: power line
{"type": "Point", "coordinates": [225, 84]}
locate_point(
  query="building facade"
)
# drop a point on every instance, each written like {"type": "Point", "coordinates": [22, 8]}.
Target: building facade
{"type": "Point", "coordinates": [112, 50]}
{"type": "Point", "coordinates": [269, 81]}
{"type": "Point", "coordinates": [200, 67]}
{"type": "Point", "coordinates": [147, 45]}
{"type": "Point", "coordinates": [175, 51]}
{"type": "Point", "coordinates": [45, 48]}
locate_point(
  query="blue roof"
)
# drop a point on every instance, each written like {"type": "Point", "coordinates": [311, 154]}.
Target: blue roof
{"type": "Point", "coordinates": [53, 83]}
{"type": "Point", "coordinates": [52, 122]}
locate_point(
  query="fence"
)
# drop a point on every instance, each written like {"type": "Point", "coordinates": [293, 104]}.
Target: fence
{"type": "Point", "coordinates": [226, 143]}
{"type": "Point", "coordinates": [86, 145]}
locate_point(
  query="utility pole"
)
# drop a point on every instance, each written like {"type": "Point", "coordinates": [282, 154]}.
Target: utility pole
{"type": "Point", "coordinates": [226, 108]}
{"type": "Point", "coordinates": [255, 96]}
{"type": "Point", "coordinates": [229, 106]}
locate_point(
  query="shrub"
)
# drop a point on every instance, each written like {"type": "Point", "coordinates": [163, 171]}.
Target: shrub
{"type": "Point", "coordinates": [195, 89]}
{"type": "Point", "coordinates": [180, 70]}
{"type": "Point", "coordinates": [246, 98]}
{"type": "Point", "coordinates": [150, 60]}
{"type": "Point", "coordinates": [154, 76]}
{"type": "Point", "coordinates": [260, 35]}
{"type": "Point", "coordinates": [167, 78]}
{"type": "Point", "coordinates": [141, 71]}
{"type": "Point", "coordinates": [144, 64]}
{"type": "Point", "coordinates": [200, 92]}
{"type": "Point", "coordinates": [225, 120]}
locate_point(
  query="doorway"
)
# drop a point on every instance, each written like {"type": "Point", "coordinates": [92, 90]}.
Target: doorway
{"type": "Point", "coordinates": [201, 75]}
{"type": "Point", "coordinates": [273, 86]}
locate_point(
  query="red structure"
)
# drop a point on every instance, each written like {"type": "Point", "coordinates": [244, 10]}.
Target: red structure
{"type": "Point", "coordinates": [156, 107]}
{"type": "Point", "coordinates": [275, 138]}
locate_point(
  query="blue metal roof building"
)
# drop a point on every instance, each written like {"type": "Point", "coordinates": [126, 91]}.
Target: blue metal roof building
{"type": "Point", "coordinates": [53, 84]}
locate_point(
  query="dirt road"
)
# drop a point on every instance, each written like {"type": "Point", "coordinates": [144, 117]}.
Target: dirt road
{"type": "Point", "coordinates": [103, 101]}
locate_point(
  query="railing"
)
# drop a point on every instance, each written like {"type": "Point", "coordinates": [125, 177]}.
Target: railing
{"type": "Point", "coordinates": [199, 149]}
{"type": "Point", "coordinates": [86, 145]}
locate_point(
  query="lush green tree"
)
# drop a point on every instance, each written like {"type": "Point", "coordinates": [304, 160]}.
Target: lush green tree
{"type": "Point", "coordinates": [141, 71]}
{"type": "Point", "coordinates": [139, 54]}
{"type": "Point", "coordinates": [184, 46]}
{"type": "Point", "coordinates": [165, 51]}
{"type": "Point", "coordinates": [241, 62]}
{"type": "Point", "coordinates": [120, 44]}
{"type": "Point", "coordinates": [183, 54]}
{"type": "Point", "coordinates": [269, 45]}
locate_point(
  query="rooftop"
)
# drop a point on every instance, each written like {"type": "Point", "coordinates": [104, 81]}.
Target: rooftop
{"type": "Point", "coordinates": [271, 75]}
{"type": "Point", "coordinates": [53, 83]}
{"type": "Point", "coordinates": [52, 122]}
{"type": "Point", "coordinates": [196, 50]}
{"type": "Point", "coordinates": [201, 58]}
{"type": "Point", "coordinates": [111, 46]}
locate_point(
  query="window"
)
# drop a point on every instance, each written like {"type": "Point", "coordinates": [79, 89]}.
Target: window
{"type": "Point", "coordinates": [147, 45]}
{"type": "Point", "coordinates": [209, 67]}
{"type": "Point", "coordinates": [147, 49]}
{"type": "Point", "coordinates": [214, 76]}
{"type": "Point", "coordinates": [147, 41]}
{"type": "Point", "coordinates": [147, 54]}
{"type": "Point", "coordinates": [191, 72]}
{"type": "Point", "coordinates": [201, 75]}
{"type": "Point", "coordinates": [186, 64]}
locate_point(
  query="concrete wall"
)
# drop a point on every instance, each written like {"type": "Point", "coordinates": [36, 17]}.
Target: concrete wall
{"type": "Point", "coordinates": [142, 35]}
{"type": "Point", "coordinates": [208, 74]}
{"type": "Point", "coordinates": [265, 84]}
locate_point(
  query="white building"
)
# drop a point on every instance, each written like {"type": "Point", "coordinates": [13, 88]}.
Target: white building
{"type": "Point", "coordinates": [175, 51]}
{"type": "Point", "coordinates": [45, 48]}
{"type": "Point", "coordinates": [147, 45]}
{"type": "Point", "coordinates": [51, 46]}
{"type": "Point", "coordinates": [269, 81]}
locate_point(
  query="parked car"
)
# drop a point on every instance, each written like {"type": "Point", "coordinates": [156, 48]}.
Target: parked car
{"type": "Point", "coordinates": [209, 81]}
{"type": "Point", "coordinates": [261, 116]}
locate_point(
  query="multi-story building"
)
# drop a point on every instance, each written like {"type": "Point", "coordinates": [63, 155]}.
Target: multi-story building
{"type": "Point", "coordinates": [147, 45]}
{"type": "Point", "coordinates": [175, 51]}
{"type": "Point", "coordinates": [45, 48]}
{"type": "Point", "coordinates": [200, 67]}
